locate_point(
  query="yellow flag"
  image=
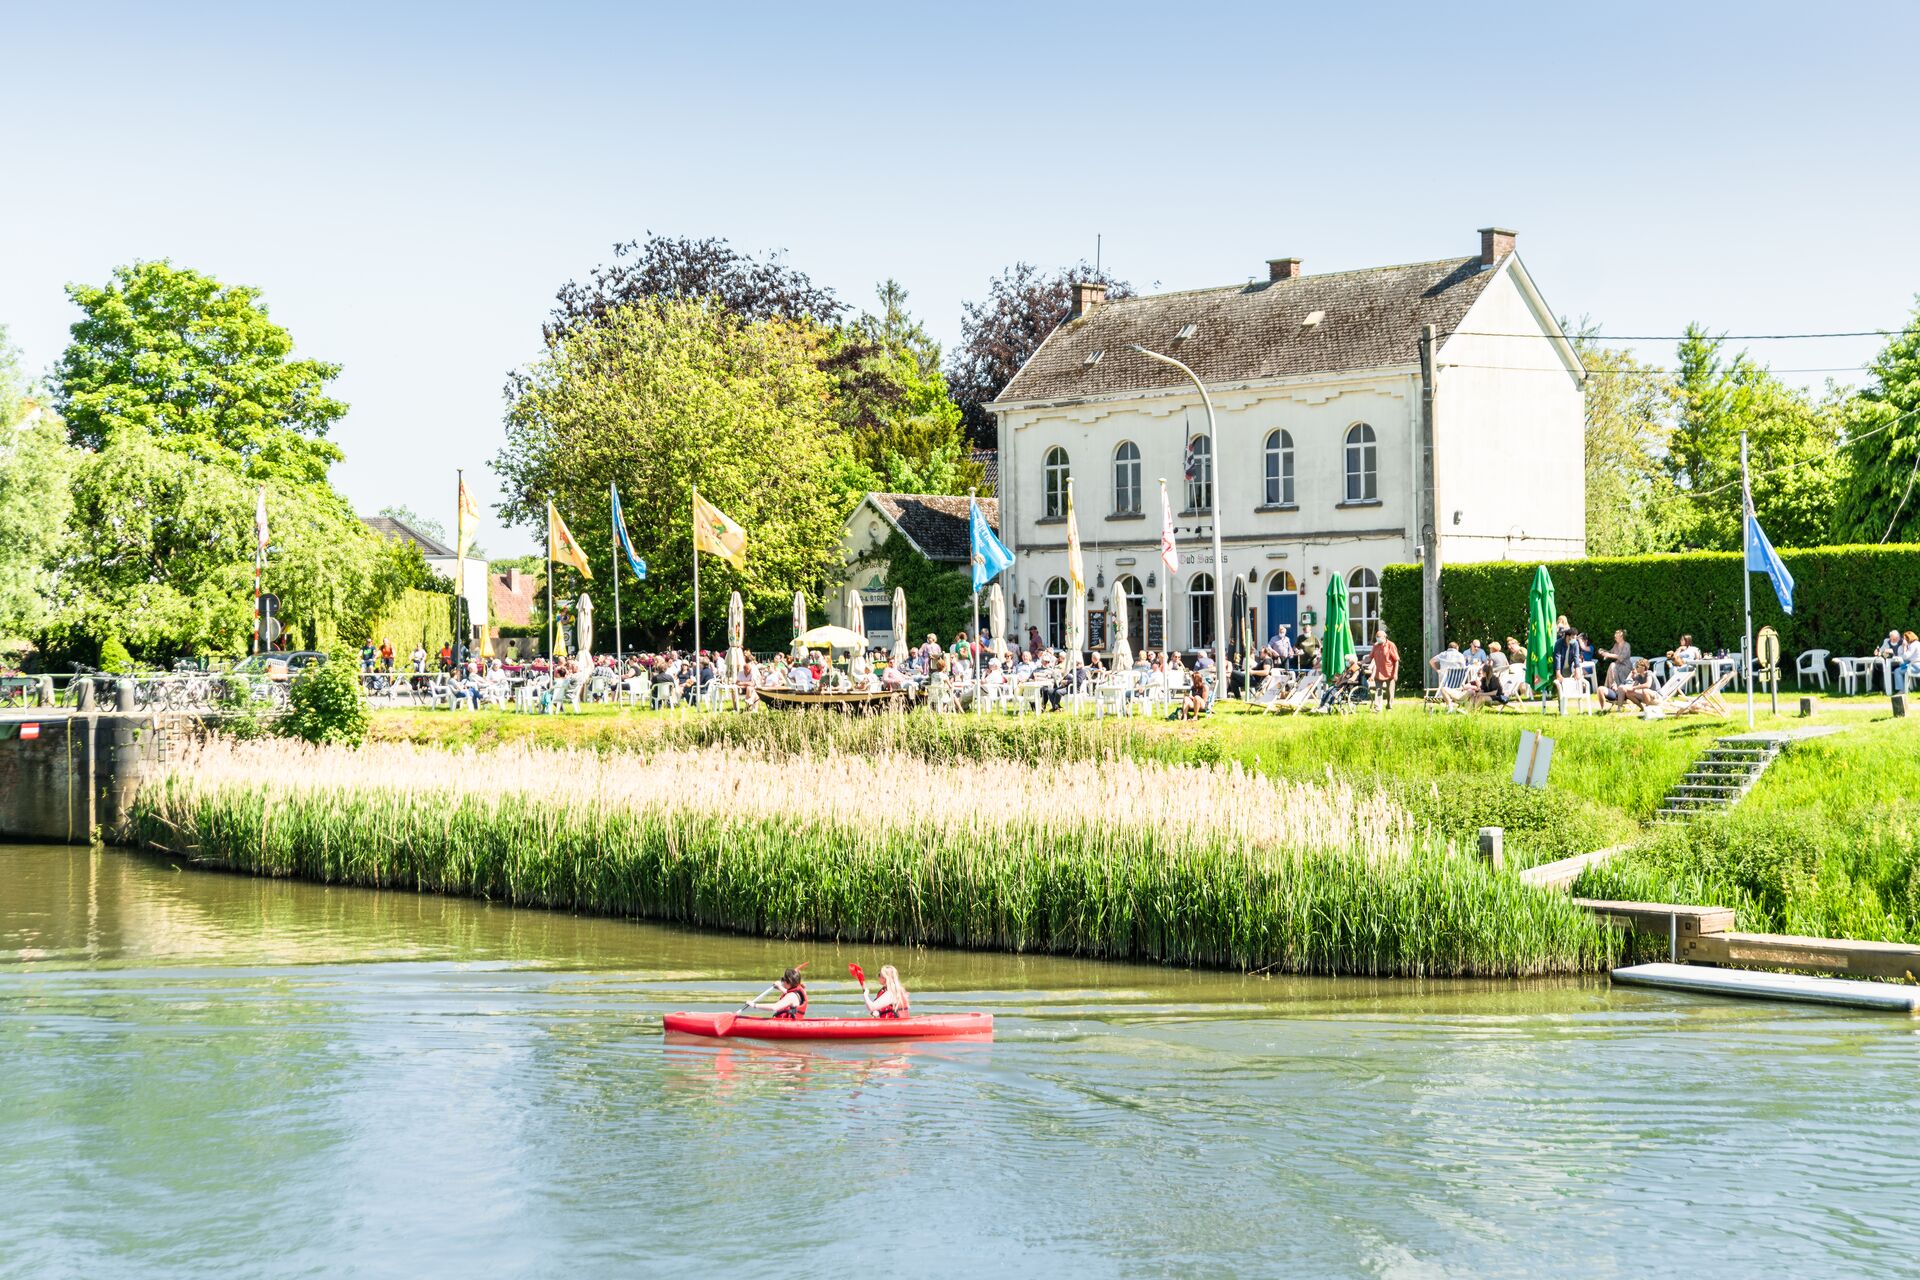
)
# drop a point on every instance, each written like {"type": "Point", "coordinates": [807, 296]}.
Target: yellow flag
{"type": "Point", "coordinates": [1075, 569]}
{"type": "Point", "coordinates": [469, 517]}
{"type": "Point", "coordinates": [560, 543]}
{"type": "Point", "coordinates": [715, 533]}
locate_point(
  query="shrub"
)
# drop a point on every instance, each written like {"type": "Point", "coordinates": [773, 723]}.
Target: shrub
{"type": "Point", "coordinates": [114, 656]}
{"type": "Point", "coordinates": [326, 705]}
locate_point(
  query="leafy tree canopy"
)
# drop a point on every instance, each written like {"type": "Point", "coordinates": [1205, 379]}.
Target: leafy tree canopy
{"type": "Point", "coordinates": [680, 267]}
{"type": "Point", "coordinates": [1630, 504]}
{"type": "Point", "coordinates": [663, 396]}
{"type": "Point", "coordinates": [1881, 501]}
{"type": "Point", "coordinates": [892, 401]}
{"type": "Point", "coordinates": [36, 465]}
{"type": "Point", "coordinates": [999, 332]}
{"type": "Point", "coordinates": [1793, 443]}
{"type": "Point", "coordinates": [196, 367]}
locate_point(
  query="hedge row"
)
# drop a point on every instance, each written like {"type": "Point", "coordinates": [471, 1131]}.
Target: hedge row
{"type": "Point", "coordinates": [1846, 599]}
{"type": "Point", "coordinates": [425, 617]}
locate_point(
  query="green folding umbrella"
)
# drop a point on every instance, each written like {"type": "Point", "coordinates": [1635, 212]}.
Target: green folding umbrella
{"type": "Point", "coordinates": [1337, 646]}
{"type": "Point", "coordinates": [1541, 612]}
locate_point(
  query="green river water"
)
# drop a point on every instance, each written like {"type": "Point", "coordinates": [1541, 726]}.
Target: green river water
{"type": "Point", "coordinates": [208, 1075]}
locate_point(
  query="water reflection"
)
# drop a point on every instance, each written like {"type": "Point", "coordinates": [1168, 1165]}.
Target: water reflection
{"type": "Point", "coordinates": [211, 1073]}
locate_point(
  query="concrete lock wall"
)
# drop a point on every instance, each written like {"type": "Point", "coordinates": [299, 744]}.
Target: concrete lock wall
{"type": "Point", "coordinates": [66, 776]}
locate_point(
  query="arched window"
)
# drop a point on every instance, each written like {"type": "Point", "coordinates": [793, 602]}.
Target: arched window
{"type": "Point", "coordinates": [1363, 605]}
{"type": "Point", "coordinates": [1200, 610]}
{"type": "Point", "coordinates": [1128, 595]}
{"type": "Point", "coordinates": [1126, 479]}
{"type": "Point", "coordinates": [1279, 469]}
{"type": "Point", "coordinates": [1363, 464]}
{"type": "Point", "coordinates": [1054, 482]}
{"type": "Point", "coordinates": [1200, 474]}
{"type": "Point", "coordinates": [1056, 615]}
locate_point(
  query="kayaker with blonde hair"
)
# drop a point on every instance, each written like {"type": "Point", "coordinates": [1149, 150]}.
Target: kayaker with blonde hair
{"type": "Point", "coordinates": [793, 997]}
{"type": "Point", "coordinates": [890, 1001]}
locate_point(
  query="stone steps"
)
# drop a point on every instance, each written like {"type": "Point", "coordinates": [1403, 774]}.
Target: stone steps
{"type": "Point", "coordinates": [1719, 778]}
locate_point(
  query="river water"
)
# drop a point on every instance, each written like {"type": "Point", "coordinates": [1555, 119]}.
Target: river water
{"type": "Point", "coordinates": [204, 1074]}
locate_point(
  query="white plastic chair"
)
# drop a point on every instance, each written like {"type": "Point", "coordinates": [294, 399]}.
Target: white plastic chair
{"type": "Point", "coordinates": [1576, 695]}
{"type": "Point", "coordinates": [1812, 663]}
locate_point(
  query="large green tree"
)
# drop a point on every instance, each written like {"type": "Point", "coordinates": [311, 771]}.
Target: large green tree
{"type": "Point", "coordinates": [188, 401]}
{"type": "Point", "coordinates": [36, 464]}
{"type": "Point", "coordinates": [1881, 501]}
{"type": "Point", "coordinates": [1630, 508]}
{"type": "Point", "coordinates": [892, 400]}
{"type": "Point", "coordinates": [662, 396]}
{"type": "Point", "coordinates": [1793, 445]}
{"type": "Point", "coordinates": [197, 367]}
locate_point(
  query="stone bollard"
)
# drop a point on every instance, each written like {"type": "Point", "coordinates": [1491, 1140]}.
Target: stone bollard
{"type": "Point", "coordinates": [1806, 708]}
{"type": "Point", "coordinates": [1899, 705]}
{"type": "Point", "coordinates": [44, 691]}
{"type": "Point", "coordinates": [123, 694]}
{"type": "Point", "coordinates": [1490, 851]}
{"type": "Point", "coordinates": [83, 693]}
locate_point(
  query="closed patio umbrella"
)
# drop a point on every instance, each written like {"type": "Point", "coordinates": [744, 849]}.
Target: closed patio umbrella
{"type": "Point", "coordinates": [1118, 649]}
{"type": "Point", "coordinates": [1077, 621]}
{"type": "Point", "coordinates": [1337, 645]}
{"type": "Point", "coordinates": [857, 623]}
{"type": "Point", "coordinates": [900, 626]}
{"type": "Point", "coordinates": [736, 633]}
{"type": "Point", "coordinates": [799, 626]}
{"type": "Point", "coordinates": [997, 619]}
{"type": "Point", "coordinates": [1542, 610]}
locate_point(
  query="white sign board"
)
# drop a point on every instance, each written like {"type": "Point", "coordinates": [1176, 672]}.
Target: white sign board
{"type": "Point", "coordinates": [1530, 764]}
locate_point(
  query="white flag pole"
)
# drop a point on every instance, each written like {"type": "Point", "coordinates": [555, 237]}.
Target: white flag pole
{"type": "Point", "coordinates": [619, 553]}
{"type": "Point", "coordinates": [696, 592]}
{"type": "Point", "coordinates": [1746, 574]}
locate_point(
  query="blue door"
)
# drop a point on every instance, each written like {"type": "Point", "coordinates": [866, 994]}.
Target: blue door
{"type": "Point", "coordinates": [1282, 607]}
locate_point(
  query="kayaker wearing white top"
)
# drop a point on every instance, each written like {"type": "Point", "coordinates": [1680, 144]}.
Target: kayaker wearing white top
{"type": "Point", "coordinates": [793, 997]}
{"type": "Point", "coordinates": [890, 1001]}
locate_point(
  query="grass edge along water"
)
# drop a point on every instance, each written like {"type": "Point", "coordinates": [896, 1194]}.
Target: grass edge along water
{"type": "Point", "coordinates": [1118, 863]}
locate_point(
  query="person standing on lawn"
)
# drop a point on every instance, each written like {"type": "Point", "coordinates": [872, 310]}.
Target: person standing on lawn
{"type": "Point", "coordinates": [1383, 665]}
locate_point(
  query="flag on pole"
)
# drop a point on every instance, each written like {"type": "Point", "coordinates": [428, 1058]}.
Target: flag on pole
{"type": "Point", "coordinates": [560, 543]}
{"type": "Point", "coordinates": [260, 525]}
{"type": "Point", "coordinates": [634, 562]}
{"type": "Point", "coordinates": [715, 533]}
{"type": "Point", "coordinates": [1762, 558]}
{"type": "Point", "coordinates": [990, 555]}
{"type": "Point", "coordinates": [463, 526]}
{"type": "Point", "coordinates": [1169, 553]}
{"type": "Point", "coordinates": [1076, 568]}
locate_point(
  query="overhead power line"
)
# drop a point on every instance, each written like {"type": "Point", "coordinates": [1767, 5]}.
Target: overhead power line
{"type": "Point", "coordinates": [1682, 337]}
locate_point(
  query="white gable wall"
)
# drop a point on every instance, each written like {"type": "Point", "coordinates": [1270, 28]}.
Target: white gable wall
{"type": "Point", "coordinates": [1509, 433]}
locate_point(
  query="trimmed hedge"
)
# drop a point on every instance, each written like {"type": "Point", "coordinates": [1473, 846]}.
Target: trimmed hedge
{"type": "Point", "coordinates": [414, 615]}
{"type": "Point", "coordinates": [1846, 599]}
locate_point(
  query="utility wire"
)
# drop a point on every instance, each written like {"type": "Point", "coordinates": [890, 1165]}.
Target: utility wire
{"type": "Point", "coordinates": [1682, 337]}
{"type": "Point", "coordinates": [1805, 462]}
{"type": "Point", "coordinates": [1903, 498]}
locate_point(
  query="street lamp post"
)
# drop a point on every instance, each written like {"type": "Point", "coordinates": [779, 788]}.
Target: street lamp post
{"type": "Point", "coordinates": [1213, 487]}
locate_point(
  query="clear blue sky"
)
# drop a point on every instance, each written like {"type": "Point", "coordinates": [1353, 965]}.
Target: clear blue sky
{"type": "Point", "coordinates": [409, 185]}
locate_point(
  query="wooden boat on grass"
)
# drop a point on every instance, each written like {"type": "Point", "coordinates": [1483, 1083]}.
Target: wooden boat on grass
{"type": "Point", "coordinates": [850, 700]}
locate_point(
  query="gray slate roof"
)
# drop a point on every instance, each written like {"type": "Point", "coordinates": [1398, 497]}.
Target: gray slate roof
{"type": "Point", "coordinates": [935, 523]}
{"type": "Point", "coordinates": [1254, 331]}
{"type": "Point", "coordinates": [401, 531]}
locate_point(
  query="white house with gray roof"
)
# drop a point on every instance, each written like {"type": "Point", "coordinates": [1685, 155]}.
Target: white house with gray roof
{"type": "Point", "coordinates": [1317, 387]}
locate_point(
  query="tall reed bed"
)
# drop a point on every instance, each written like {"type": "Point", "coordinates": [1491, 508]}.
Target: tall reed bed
{"type": "Point", "coordinates": [1124, 859]}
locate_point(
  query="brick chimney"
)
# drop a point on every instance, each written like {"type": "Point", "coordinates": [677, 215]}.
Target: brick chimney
{"type": "Point", "coordinates": [1283, 269]}
{"type": "Point", "coordinates": [1495, 244]}
{"type": "Point", "coordinates": [1086, 296]}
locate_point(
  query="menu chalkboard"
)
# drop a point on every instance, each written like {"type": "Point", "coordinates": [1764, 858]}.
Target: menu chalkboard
{"type": "Point", "coordinates": [1156, 630]}
{"type": "Point", "coordinates": [1096, 629]}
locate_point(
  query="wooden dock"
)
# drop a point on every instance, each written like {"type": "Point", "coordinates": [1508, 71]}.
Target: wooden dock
{"type": "Point", "coordinates": [1897, 960]}
{"type": "Point", "coordinates": [1797, 987]}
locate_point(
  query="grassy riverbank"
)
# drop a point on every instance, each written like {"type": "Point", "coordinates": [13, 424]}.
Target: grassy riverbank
{"type": "Point", "coordinates": [1828, 844]}
{"type": "Point", "coordinates": [1186, 864]}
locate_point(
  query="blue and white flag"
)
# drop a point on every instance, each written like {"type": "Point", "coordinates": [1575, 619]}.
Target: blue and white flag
{"type": "Point", "coordinates": [638, 565]}
{"type": "Point", "coordinates": [1762, 558]}
{"type": "Point", "coordinates": [990, 555]}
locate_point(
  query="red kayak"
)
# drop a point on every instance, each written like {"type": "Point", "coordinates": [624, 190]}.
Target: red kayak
{"type": "Point", "coordinates": [936, 1026]}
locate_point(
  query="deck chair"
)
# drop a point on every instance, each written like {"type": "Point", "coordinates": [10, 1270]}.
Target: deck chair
{"type": "Point", "coordinates": [1452, 680]}
{"type": "Point", "coordinates": [1706, 702]}
{"type": "Point", "coordinates": [1305, 695]}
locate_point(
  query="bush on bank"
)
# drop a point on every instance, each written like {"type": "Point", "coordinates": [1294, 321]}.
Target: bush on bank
{"type": "Point", "coordinates": [1846, 599]}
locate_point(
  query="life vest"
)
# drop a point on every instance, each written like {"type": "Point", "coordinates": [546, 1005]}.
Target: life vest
{"type": "Point", "coordinates": [895, 1010]}
{"type": "Point", "coordinates": [798, 1010]}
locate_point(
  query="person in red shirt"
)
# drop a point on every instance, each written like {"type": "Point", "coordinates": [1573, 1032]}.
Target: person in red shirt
{"type": "Point", "coordinates": [1383, 668]}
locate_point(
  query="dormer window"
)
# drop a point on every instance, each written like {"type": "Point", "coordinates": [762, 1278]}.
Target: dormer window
{"type": "Point", "coordinates": [1093, 358]}
{"type": "Point", "coordinates": [1186, 331]}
